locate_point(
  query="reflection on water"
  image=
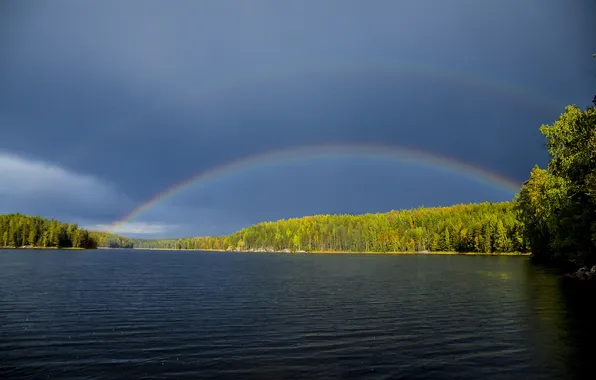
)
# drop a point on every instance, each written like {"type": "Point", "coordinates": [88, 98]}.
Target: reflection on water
{"type": "Point", "coordinates": [563, 322]}
{"type": "Point", "coordinates": [499, 275]}
{"type": "Point", "coordinates": [142, 314]}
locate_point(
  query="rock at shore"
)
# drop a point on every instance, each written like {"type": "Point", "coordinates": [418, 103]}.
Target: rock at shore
{"type": "Point", "coordinates": [583, 274]}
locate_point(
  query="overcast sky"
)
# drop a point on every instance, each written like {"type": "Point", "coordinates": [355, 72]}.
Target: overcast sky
{"type": "Point", "coordinates": [104, 105]}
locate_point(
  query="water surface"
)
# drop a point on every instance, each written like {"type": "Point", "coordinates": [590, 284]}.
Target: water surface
{"type": "Point", "coordinates": [163, 314]}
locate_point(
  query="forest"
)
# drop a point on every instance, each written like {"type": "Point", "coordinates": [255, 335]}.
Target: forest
{"type": "Point", "coordinates": [108, 240]}
{"type": "Point", "coordinates": [486, 227]}
{"type": "Point", "coordinates": [17, 230]}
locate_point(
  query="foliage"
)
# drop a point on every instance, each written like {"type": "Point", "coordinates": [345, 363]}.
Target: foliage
{"type": "Point", "coordinates": [557, 206]}
{"type": "Point", "coordinates": [485, 227]}
{"type": "Point", "coordinates": [108, 240]}
{"type": "Point", "coordinates": [18, 230]}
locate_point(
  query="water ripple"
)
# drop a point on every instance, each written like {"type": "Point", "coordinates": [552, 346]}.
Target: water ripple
{"type": "Point", "coordinates": [135, 314]}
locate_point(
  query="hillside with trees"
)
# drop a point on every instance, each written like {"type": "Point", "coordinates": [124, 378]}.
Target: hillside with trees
{"type": "Point", "coordinates": [17, 230]}
{"type": "Point", "coordinates": [483, 228]}
{"type": "Point", "coordinates": [170, 243]}
{"type": "Point", "coordinates": [108, 240]}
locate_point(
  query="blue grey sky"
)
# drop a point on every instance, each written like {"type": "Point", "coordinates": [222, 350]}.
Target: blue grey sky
{"type": "Point", "coordinates": [104, 105]}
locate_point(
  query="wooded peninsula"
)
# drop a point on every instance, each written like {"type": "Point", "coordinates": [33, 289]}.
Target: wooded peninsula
{"type": "Point", "coordinates": [23, 231]}
{"type": "Point", "coordinates": [485, 227]}
{"type": "Point", "coordinates": [553, 217]}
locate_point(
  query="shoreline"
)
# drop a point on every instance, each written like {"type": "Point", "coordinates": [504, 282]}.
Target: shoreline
{"type": "Point", "coordinates": [287, 252]}
{"type": "Point", "coordinates": [351, 252]}
{"type": "Point", "coordinates": [64, 248]}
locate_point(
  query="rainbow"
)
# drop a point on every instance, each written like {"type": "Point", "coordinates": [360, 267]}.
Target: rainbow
{"type": "Point", "coordinates": [337, 150]}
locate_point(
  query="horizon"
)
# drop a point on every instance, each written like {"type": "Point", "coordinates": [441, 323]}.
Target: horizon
{"type": "Point", "coordinates": [108, 228]}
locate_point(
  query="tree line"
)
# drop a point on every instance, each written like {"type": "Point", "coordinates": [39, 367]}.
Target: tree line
{"type": "Point", "coordinates": [108, 240]}
{"type": "Point", "coordinates": [17, 230]}
{"type": "Point", "coordinates": [485, 227]}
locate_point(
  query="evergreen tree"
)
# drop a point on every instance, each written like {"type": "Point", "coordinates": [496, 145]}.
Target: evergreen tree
{"type": "Point", "coordinates": [17, 230]}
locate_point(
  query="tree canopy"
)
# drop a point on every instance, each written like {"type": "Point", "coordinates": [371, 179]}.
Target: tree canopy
{"type": "Point", "coordinates": [486, 227]}
{"type": "Point", "coordinates": [17, 230]}
{"type": "Point", "coordinates": [108, 240]}
{"type": "Point", "coordinates": [558, 205]}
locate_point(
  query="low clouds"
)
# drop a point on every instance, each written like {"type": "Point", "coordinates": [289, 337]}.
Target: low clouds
{"type": "Point", "coordinates": [40, 188]}
{"type": "Point", "coordinates": [135, 229]}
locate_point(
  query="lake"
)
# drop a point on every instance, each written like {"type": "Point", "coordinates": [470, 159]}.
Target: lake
{"type": "Point", "coordinates": [124, 314]}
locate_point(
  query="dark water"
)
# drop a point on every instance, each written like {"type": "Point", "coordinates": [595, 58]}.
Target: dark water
{"type": "Point", "coordinates": [149, 314]}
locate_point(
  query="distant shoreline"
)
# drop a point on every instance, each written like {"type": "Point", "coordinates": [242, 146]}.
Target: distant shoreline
{"type": "Point", "coordinates": [296, 253]}
{"type": "Point", "coordinates": [351, 252]}
{"type": "Point", "coordinates": [30, 247]}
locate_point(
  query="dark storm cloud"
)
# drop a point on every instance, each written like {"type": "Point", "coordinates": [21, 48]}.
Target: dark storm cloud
{"type": "Point", "coordinates": [142, 95]}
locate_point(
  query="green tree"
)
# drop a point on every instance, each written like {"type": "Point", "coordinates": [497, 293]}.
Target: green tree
{"type": "Point", "coordinates": [557, 206]}
{"type": "Point", "coordinates": [501, 239]}
{"type": "Point", "coordinates": [296, 242]}
{"type": "Point", "coordinates": [445, 241]}
{"type": "Point", "coordinates": [32, 237]}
